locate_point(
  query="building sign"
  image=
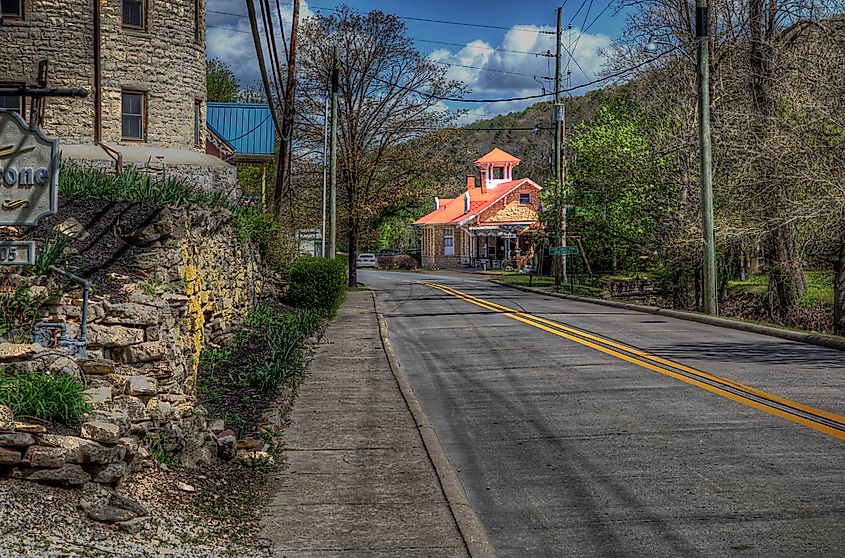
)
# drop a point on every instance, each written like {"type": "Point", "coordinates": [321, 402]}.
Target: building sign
{"type": "Point", "coordinates": [17, 253]}
{"type": "Point", "coordinates": [29, 172]}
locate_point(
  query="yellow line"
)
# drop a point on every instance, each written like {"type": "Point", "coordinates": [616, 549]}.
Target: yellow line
{"type": "Point", "coordinates": [567, 333]}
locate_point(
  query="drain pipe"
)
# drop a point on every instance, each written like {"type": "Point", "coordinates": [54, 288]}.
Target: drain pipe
{"type": "Point", "coordinates": [82, 342]}
{"type": "Point", "coordinates": [98, 77]}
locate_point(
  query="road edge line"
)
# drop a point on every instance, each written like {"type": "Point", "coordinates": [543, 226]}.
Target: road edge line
{"type": "Point", "coordinates": [789, 335]}
{"type": "Point", "coordinates": [473, 533]}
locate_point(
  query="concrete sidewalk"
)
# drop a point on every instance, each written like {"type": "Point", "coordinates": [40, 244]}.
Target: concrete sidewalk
{"type": "Point", "coordinates": [359, 481]}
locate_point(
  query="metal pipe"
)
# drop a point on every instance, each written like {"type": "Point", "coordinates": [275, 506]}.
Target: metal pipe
{"type": "Point", "coordinates": [98, 78]}
{"type": "Point", "coordinates": [86, 286]}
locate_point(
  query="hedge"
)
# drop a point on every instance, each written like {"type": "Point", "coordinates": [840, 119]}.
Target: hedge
{"type": "Point", "coordinates": [318, 284]}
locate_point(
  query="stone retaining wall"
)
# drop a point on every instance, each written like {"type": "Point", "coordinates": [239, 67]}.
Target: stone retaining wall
{"type": "Point", "coordinates": [143, 354]}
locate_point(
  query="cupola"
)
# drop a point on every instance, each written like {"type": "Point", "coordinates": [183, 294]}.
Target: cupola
{"type": "Point", "coordinates": [496, 168]}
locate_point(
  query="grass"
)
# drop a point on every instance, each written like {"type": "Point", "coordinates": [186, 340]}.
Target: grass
{"type": "Point", "coordinates": [819, 287]}
{"type": "Point", "coordinates": [51, 254]}
{"type": "Point", "coordinates": [46, 396]}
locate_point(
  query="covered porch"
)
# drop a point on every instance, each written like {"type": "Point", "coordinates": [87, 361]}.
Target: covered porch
{"type": "Point", "coordinates": [500, 246]}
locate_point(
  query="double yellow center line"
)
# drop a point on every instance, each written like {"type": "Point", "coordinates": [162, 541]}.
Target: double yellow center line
{"type": "Point", "coordinates": [817, 419]}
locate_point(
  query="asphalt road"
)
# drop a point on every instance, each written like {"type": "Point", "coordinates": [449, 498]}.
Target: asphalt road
{"type": "Point", "coordinates": [569, 446]}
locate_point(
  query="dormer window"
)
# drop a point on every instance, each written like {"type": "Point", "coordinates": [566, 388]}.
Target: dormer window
{"type": "Point", "coordinates": [498, 173]}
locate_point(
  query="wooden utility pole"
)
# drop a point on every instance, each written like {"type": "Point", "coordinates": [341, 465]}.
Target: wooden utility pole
{"type": "Point", "coordinates": [558, 158]}
{"type": "Point", "coordinates": [333, 161]}
{"type": "Point", "coordinates": [706, 167]}
{"type": "Point", "coordinates": [286, 131]}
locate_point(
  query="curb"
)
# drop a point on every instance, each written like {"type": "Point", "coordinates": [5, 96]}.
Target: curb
{"type": "Point", "coordinates": [797, 336]}
{"type": "Point", "coordinates": [472, 532]}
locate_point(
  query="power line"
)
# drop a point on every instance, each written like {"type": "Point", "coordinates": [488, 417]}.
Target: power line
{"type": "Point", "coordinates": [229, 29]}
{"type": "Point", "coordinates": [421, 19]}
{"type": "Point", "coordinates": [486, 69]}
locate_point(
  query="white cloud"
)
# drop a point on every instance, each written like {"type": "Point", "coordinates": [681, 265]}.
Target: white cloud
{"type": "Point", "coordinates": [229, 37]}
{"type": "Point", "coordinates": [508, 71]}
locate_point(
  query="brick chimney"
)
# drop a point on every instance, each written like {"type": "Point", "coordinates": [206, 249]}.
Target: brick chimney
{"type": "Point", "coordinates": [470, 182]}
{"type": "Point", "coordinates": [483, 183]}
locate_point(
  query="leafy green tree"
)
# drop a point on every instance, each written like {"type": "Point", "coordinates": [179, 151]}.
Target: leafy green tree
{"type": "Point", "coordinates": [222, 86]}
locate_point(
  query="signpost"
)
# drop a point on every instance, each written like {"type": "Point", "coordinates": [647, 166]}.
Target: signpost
{"type": "Point", "coordinates": [563, 250]}
{"type": "Point", "coordinates": [29, 172]}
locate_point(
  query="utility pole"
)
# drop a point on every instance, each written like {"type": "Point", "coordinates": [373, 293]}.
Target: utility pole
{"type": "Point", "coordinates": [558, 158]}
{"type": "Point", "coordinates": [325, 172]}
{"type": "Point", "coordinates": [706, 169]}
{"type": "Point", "coordinates": [333, 161]}
{"type": "Point", "coordinates": [286, 132]}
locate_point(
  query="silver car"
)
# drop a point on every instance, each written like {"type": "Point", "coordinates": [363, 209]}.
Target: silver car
{"type": "Point", "coordinates": [366, 259]}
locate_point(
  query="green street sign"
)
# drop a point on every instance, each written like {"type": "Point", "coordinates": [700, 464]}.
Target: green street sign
{"type": "Point", "coordinates": [563, 250]}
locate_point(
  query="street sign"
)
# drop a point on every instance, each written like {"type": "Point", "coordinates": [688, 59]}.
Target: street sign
{"type": "Point", "coordinates": [29, 172]}
{"type": "Point", "coordinates": [563, 250]}
{"type": "Point", "coordinates": [17, 253]}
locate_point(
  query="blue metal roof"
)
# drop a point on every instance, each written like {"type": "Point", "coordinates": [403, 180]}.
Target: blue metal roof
{"type": "Point", "coordinates": [247, 127]}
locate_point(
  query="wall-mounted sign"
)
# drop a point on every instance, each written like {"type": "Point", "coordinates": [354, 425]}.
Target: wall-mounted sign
{"type": "Point", "coordinates": [17, 253]}
{"type": "Point", "coordinates": [29, 172]}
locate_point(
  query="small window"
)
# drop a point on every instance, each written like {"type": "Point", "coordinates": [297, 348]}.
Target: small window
{"type": "Point", "coordinates": [448, 242]}
{"type": "Point", "coordinates": [12, 8]}
{"type": "Point", "coordinates": [134, 14]}
{"type": "Point", "coordinates": [13, 102]}
{"type": "Point", "coordinates": [498, 173]}
{"type": "Point", "coordinates": [197, 122]}
{"type": "Point", "coordinates": [133, 115]}
{"type": "Point", "coordinates": [525, 198]}
{"type": "Point", "coordinates": [197, 32]}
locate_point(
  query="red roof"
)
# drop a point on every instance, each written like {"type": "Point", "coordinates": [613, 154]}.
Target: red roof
{"type": "Point", "coordinates": [452, 210]}
{"type": "Point", "coordinates": [497, 156]}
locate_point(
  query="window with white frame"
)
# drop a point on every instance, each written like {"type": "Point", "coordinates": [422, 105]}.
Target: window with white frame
{"type": "Point", "coordinates": [448, 242]}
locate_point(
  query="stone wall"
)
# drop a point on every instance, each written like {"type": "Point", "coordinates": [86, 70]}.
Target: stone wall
{"type": "Point", "coordinates": [164, 61]}
{"type": "Point", "coordinates": [143, 353]}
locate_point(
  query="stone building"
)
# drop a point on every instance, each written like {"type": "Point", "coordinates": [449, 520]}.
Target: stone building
{"type": "Point", "coordinates": [490, 225]}
{"type": "Point", "coordinates": [143, 63]}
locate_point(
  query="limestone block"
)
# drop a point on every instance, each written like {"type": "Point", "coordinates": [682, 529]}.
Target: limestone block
{"type": "Point", "coordinates": [29, 428]}
{"type": "Point", "coordinates": [127, 503]}
{"type": "Point", "coordinates": [107, 474]}
{"type": "Point", "coordinates": [130, 313]}
{"type": "Point", "coordinates": [103, 432]}
{"type": "Point", "coordinates": [9, 456]}
{"type": "Point", "coordinates": [12, 351]}
{"type": "Point", "coordinates": [149, 351]}
{"type": "Point", "coordinates": [98, 397]}
{"type": "Point", "coordinates": [70, 475]}
{"type": "Point", "coordinates": [20, 439]}
{"type": "Point", "coordinates": [141, 385]}
{"type": "Point", "coordinates": [113, 336]}
{"type": "Point", "coordinates": [82, 451]}
{"type": "Point", "coordinates": [7, 419]}
{"type": "Point", "coordinates": [132, 407]}
{"type": "Point", "coordinates": [96, 366]}
{"type": "Point", "coordinates": [110, 514]}
{"type": "Point", "coordinates": [40, 456]}
{"type": "Point", "coordinates": [72, 228]}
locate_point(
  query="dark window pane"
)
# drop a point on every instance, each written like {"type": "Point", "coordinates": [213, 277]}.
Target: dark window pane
{"type": "Point", "coordinates": [132, 127]}
{"type": "Point", "coordinates": [133, 13]}
{"type": "Point", "coordinates": [11, 7]}
{"type": "Point", "coordinates": [10, 102]}
{"type": "Point", "coordinates": [132, 103]}
{"type": "Point", "coordinates": [525, 198]}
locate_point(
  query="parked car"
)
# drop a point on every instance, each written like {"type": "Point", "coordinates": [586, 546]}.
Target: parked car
{"type": "Point", "coordinates": [367, 259]}
{"type": "Point", "coordinates": [389, 252]}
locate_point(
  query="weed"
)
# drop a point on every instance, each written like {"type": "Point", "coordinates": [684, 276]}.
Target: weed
{"type": "Point", "coordinates": [18, 313]}
{"type": "Point", "coordinates": [282, 361]}
{"type": "Point", "coordinates": [43, 395]}
{"type": "Point", "coordinates": [51, 254]}
{"type": "Point", "coordinates": [308, 322]}
{"type": "Point", "coordinates": [151, 286]}
{"type": "Point", "coordinates": [211, 359]}
{"type": "Point", "coordinates": [160, 447]}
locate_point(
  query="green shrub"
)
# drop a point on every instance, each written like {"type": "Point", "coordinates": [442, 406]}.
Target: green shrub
{"type": "Point", "coordinates": [282, 361]}
{"type": "Point", "coordinates": [18, 314]}
{"type": "Point", "coordinates": [318, 284]}
{"type": "Point", "coordinates": [53, 397]}
{"type": "Point", "coordinates": [265, 317]}
{"type": "Point", "coordinates": [253, 224]}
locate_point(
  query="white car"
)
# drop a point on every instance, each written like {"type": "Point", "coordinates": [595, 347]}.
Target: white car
{"type": "Point", "coordinates": [366, 260]}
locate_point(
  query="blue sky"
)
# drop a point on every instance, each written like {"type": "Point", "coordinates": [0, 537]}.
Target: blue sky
{"type": "Point", "coordinates": [492, 61]}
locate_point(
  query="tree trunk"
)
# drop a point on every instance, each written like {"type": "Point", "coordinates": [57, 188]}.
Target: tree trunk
{"type": "Point", "coordinates": [839, 291]}
{"type": "Point", "coordinates": [786, 276]}
{"type": "Point", "coordinates": [352, 236]}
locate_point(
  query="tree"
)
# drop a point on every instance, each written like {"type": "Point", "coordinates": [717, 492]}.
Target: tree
{"type": "Point", "coordinates": [222, 86]}
{"type": "Point", "coordinates": [388, 94]}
